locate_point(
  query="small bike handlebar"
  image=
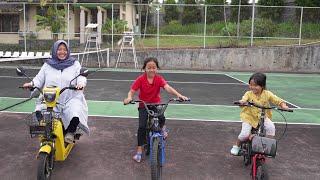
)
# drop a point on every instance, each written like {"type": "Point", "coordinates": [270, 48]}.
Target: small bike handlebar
{"type": "Point", "coordinates": [249, 104]}
{"type": "Point", "coordinates": [164, 105]}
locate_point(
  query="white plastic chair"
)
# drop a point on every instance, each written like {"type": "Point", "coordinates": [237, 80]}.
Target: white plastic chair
{"type": "Point", "coordinates": [31, 54]}
{"type": "Point", "coordinates": [7, 54]}
{"type": "Point", "coordinates": [46, 54]}
{"type": "Point", "coordinates": [15, 54]}
{"type": "Point", "coordinates": [1, 53]}
{"type": "Point", "coordinates": [39, 54]}
{"type": "Point", "coordinates": [24, 54]}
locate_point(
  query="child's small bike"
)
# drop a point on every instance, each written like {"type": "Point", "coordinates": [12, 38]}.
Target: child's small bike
{"type": "Point", "coordinates": [49, 128]}
{"type": "Point", "coordinates": [258, 146]}
{"type": "Point", "coordinates": [155, 139]}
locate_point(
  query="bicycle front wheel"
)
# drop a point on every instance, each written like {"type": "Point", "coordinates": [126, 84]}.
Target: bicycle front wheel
{"type": "Point", "coordinates": [261, 172]}
{"type": "Point", "coordinates": [156, 167]}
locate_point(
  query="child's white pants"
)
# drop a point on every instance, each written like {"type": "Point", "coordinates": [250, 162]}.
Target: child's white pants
{"type": "Point", "coordinates": [246, 129]}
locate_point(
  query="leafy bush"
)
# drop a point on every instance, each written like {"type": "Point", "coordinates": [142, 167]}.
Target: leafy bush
{"type": "Point", "coordinates": [119, 27]}
{"type": "Point", "coordinates": [262, 28]}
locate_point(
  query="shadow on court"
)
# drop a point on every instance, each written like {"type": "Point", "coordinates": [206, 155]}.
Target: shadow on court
{"type": "Point", "coordinates": [195, 150]}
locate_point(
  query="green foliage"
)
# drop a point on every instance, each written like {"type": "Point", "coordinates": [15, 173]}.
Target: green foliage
{"type": "Point", "coordinates": [287, 29]}
{"type": "Point", "coordinates": [215, 13]}
{"type": "Point", "coordinates": [308, 3]}
{"type": "Point", "coordinates": [274, 13]}
{"type": "Point", "coordinates": [174, 27]}
{"type": "Point", "coordinates": [171, 11]}
{"type": "Point", "coordinates": [119, 26]}
{"type": "Point", "coordinates": [310, 30]}
{"type": "Point", "coordinates": [262, 28]}
{"type": "Point", "coordinates": [309, 15]}
{"type": "Point", "coordinates": [245, 11]}
{"type": "Point", "coordinates": [53, 20]}
{"type": "Point", "coordinates": [191, 14]}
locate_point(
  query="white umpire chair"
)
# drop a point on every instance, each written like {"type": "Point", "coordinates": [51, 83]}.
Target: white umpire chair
{"type": "Point", "coordinates": [127, 43]}
{"type": "Point", "coordinates": [92, 43]}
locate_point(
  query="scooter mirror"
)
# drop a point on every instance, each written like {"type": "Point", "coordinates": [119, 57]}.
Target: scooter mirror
{"type": "Point", "coordinates": [20, 71]}
{"type": "Point", "coordinates": [84, 72]}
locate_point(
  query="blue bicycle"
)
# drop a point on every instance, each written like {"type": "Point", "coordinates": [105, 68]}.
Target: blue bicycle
{"type": "Point", "coordinates": [155, 142]}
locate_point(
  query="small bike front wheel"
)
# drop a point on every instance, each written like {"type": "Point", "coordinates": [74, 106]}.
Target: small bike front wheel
{"type": "Point", "coordinates": [156, 167]}
{"type": "Point", "coordinates": [44, 166]}
{"type": "Point", "coordinates": [261, 172]}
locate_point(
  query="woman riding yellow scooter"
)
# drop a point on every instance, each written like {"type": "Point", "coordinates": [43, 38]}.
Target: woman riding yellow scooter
{"type": "Point", "coordinates": [59, 71]}
{"type": "Point", "coordinates": [65, 111]}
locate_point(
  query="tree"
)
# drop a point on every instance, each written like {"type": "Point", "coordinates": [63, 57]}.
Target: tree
{"type": "Point", "coordinates": [53, 18]}
{"type": "Point", "coordinates": [215, 13]}
{"type": "Point", "coordinates": [273, 13]}
{"type": "Point", "coordinates": [171, 11]}
{"type": "Point", "coordinates": [245, 11]}
{"type": "Point", "coordinates": [309, 15]}
{"type": "Point", "coordinates": [191, 14]}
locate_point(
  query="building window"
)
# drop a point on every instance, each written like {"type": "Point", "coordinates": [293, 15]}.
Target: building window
{"type": "Point", "coordinates": [9, 23]}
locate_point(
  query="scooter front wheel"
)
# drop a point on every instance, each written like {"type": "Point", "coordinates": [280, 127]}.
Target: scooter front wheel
{"type": "Point", "coordinates": [44, 169]}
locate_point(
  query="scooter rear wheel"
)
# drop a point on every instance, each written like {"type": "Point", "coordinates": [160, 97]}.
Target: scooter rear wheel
{"type": "Point", "coordinates": [44, 169]}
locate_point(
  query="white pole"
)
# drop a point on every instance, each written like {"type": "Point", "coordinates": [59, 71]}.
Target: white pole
{"type": "Point", "coordinates": [25, 27]}
{"type": "Point", "coordinates": [158, 25]}
{"type": "Point", "coordinates": [252, 24]}
{"type": "Point", "coordinates": [205, 27]}
{"type": "Point", "coordinates": [301, 17]}
{"type": "Point", "coordinates": [112, 27]}
{"type": "Point", "coordinates": [68, 25]}
{"type": "Point", "coordinates": [238, 25]}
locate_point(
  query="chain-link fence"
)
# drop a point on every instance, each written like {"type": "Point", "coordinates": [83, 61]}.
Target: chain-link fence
{"type": "Point", "coordinates": [27, 26]}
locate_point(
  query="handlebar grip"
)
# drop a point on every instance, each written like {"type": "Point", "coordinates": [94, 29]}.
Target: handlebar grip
{"type": "Point", "coordinates": [236, 103]}
{"type": "Point", "coordinates": [72, 88]}
{"type": "Point", "coordinates": [30, 88]}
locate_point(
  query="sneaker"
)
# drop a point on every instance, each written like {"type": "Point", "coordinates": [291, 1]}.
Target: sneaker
{"type": "Point", "coordinates": [137, 157]}
{"type": "Point", "coordinates": [165, 132]}
{"type": "Point", "coordinates": [235, 150]}
{"type": "Point", "coordinates": [69, 138]}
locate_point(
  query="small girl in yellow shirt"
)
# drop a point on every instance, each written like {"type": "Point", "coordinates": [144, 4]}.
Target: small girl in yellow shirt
{"type": "Point", "coordinates": [250, 115]}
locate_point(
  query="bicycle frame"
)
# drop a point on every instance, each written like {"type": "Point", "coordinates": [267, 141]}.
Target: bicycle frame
{"type": "Point", "coordinates": [156, 140]}
{"type": "Point", "coordinates": [256, 158]}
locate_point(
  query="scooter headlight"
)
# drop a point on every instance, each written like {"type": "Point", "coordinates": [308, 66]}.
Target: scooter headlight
{"type": "Point", "coordinates": [49, 96]}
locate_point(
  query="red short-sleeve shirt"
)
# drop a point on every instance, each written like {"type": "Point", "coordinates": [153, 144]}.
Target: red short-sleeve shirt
{"type": "Point", "coordinates": [149, 93]}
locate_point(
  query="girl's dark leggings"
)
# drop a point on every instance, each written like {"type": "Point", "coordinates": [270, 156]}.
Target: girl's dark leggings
{"type": "Point", "coordinates": [73, 125]}
{"type": "Point", "coordinates": [143, 118]}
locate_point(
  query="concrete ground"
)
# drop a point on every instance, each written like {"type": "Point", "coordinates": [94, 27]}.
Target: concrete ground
{"type": "Point", "coordinates": [195, 150]}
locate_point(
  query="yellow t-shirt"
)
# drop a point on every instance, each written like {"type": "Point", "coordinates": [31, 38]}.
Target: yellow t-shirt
{"type": "Point", "coordinates": [251, 115]}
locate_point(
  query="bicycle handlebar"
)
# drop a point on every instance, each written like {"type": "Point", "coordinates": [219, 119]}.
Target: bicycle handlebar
{"type": "Point", "coordinates": [61, 91]}
{"type": "Point", "coordinates": [165, 105]}
{"type": "Point", "coordinates": [249, 104]}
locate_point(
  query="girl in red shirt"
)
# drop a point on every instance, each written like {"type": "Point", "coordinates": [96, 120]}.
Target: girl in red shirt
{"type": "Point", "coordinates": [149, 84]}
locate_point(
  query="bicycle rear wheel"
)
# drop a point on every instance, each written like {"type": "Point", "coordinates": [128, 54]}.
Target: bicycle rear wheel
{"type": "Point", "coordinates": [156, 167]}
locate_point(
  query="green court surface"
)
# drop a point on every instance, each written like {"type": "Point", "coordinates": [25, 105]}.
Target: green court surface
{"type": "Point", "coordinates": [186, 112]}
{"type": "Point", "coordinates": [300, 90]}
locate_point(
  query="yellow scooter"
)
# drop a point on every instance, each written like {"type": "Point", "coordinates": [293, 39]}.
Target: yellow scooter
{"type": "Point", "coordinates": [50, 129]}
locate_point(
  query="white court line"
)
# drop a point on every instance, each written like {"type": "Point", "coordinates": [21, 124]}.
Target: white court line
{"type": "Point", "coordinates": [126, 80]}
{"type": "Point", "coordinates": [248, 84]}
{"type": "Point", "coordinates": [186, 72]}
{"type": "Point", "coordinates": [179, 119]}
{"type": "Point", "coordinates": [181, 82]}
{"type": "Point", "coordinates": [186, 104]}
{"type": "Point", "coordinates": [279, 75]}
{"type": "Point", "coordinates": [236, 79]}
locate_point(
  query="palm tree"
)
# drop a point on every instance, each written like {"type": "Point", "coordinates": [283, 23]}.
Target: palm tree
{"type": "Point", "coordinates": [53, 19]}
